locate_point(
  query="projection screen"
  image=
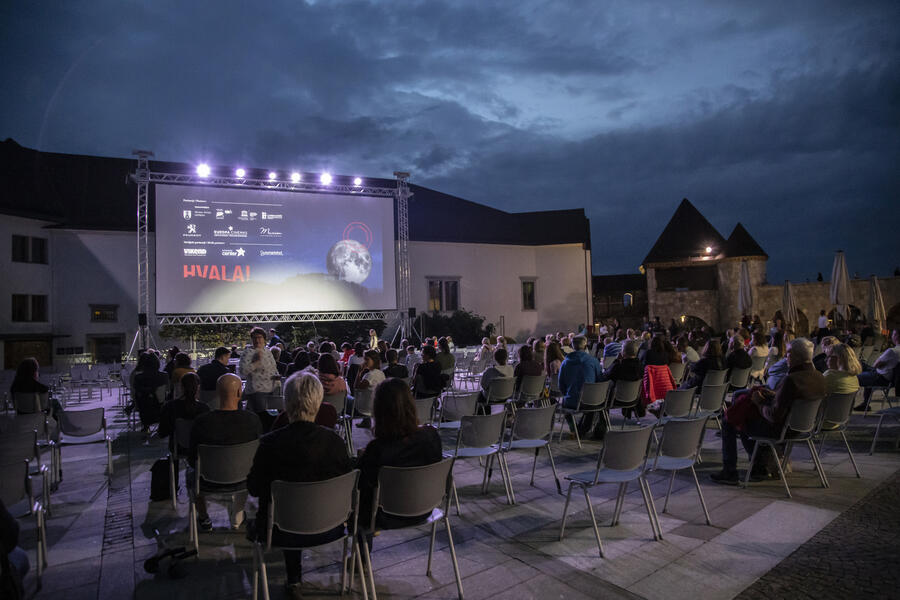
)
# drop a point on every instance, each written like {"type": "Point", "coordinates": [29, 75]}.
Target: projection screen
{"type": "Point", "coordinates": [228, 250]}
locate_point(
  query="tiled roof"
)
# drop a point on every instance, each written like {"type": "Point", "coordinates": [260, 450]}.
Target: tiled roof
{"type": "Point", "coordinates": [687, 235]}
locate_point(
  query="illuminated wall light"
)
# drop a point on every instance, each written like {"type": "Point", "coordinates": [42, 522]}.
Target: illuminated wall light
{"type": "Point", "coordinates": [708, 249]}
{"type": "Point", "coordinates": [357, 181]}
{"type": "Point", "coordinates": [203, 170]}
{"type": "Point", "coordinates": [272, 175]}
{"type": "Point", "coordinates": [240, 173]}
{"type": "Point", "coordinates": [325, 178]}
{"type": "Point", "coordinates": [295, 177]}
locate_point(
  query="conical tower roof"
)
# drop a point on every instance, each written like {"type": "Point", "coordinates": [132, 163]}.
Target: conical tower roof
{"type": "Point", "coordinates": [687, 235]}
{"type": "Point", "coordinates": [741, 243]}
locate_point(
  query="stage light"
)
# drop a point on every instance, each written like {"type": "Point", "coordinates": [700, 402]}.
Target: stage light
{"type": "Point", "coordinates": [357, 182]}
{"type": "Point", "coordinates": [240, 173]}
{"type": "Point", "coordinates": [203, 170]}
{"type": "Point", "coordinates": [325, 178]}
{"type": "Point", "coordinates": [295, 177]}
{"type": "Point", "coordinates": [272, 175]}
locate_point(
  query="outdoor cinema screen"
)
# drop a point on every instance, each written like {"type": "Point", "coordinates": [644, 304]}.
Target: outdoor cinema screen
{"type": "Point", "coordinates": [230, 250]}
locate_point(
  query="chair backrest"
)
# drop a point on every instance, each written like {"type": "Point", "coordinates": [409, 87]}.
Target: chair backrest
{"type": "Point", "coordinates": [532, 386]}
{"type": "Point", "coordinates": [594, 395]}
{"type": "Point", "coordinates": [81, 423]}
{"type": "Point", "coordinates": [501, 389]}
{"type": "Point", "coordinates": [715, 377]}
{"type": "Point", "coordinates": [338, 401]}
{"type": "Point", "coordinates": [210, 398]}
{"type": "Point", "coordinates": [16, 447]}
{"type": "Point", "coordinates": [425, 410]}
{"type": "Point", "coordinates": [678, 403]}
{"type": "Point", "coordinates": [803, 415]}
{"type": "Point", "coordinates": [625, 449]}
{"type": "Point", "coordinates": [13, 482]}
{"type": "Point", "coordinates": [712, 397]}
{"type": "Point", "coordinates": [681, 438]}
{"type": "Point", "coordinates": [836, 408]}
{"type": "Point", "coordinates": [364, 402]}
{"type": "Point", "coordinates": [454, 406]}
{"type": "Point", "coordinates": [313, 507]}
{"type": "Point", "coordinates": [481, 431]}
{"type": "Point", "coordinates": [533, 423]}
{"type": "Point", "coordinates": [28, 402]}
{"type": "Point", "coordinates": [677, 370]}
{"type": "Point", "coordinates": [739, 377]}
{"type": "Point", "coordinates": [274, 402]}
{"type": "Point", "coordinates": [607, 362]}
{"type": "Point", "coordinates": [182, 433]}
{"type": "Point", "coordinates": [25, 423]}
{"type": "Point", "coordinates": [225, 464]}
{"type": "Point", "coordinates": [758, 362]}
{"type": "Point", "coordinates": [626, 392]}
{"type": "Point", "coordinates": [413, 491]}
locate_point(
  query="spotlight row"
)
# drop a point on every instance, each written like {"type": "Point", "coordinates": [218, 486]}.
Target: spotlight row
{"type": "Point", "coordinates": [203, 170]}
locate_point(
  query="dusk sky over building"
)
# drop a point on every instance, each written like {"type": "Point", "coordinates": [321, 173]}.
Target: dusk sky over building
{"type": "Point", "coordinates": [783, 116]}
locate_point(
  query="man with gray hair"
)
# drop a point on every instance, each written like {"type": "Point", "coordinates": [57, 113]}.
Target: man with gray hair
{"type": "Point", "coordinates": [301, 451]}
{"type": "Point", "coordinates": [803, 383]}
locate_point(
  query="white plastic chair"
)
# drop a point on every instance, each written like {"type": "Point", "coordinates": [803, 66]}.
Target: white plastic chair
{"type": "Point", "coordinates": [532, 388]}
{"type": "Point", "coordinates": [532, 428]}
{"type": "Point", "coordinates": [500, 390]}
{"type": "Point", "coordinates": [715, 377]}
{"type": "Point", "coordinates": [679, 448]}
{"type": "Point", "coordinates": [626, 394]}
{"type": "Point", "coordinates": [181, 442]}
{"type": "Point", "coordinates": [454, 406]}
{"type": "Point", "coordinates": [593, 399]}
{"type": "Point", "coordinates": [84, 427]}
{"type": "Point", "coordinates": [836, 410]}
{"type": "Point", "coordinates": [480, 436]}
{"type": "Point", "coordinates": [711, 402]}
{"type": "Point", "coordinates": [425, 410]}
{"type": "Point", "coordinates": [677, 369]}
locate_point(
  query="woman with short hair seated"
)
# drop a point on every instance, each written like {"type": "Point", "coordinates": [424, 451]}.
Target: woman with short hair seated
{"type": "Point", "coordinates": [399, 442]}
{"type": "Point", "coordinates": [301, 451]}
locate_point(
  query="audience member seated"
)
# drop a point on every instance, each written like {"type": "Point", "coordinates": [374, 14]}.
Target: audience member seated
{"type": "Point", "coordinates": [147, 379]}
{"type": "Point", "coordinates": [526, 365]}
{"type": "Point", "coordinates": [689, 355]}
{"type": "Point", "coordinates": [258, 368]}
{"type": "Point", "coordinates": [182, 366]}
{"type": "Point", "coordinates": [485, 351]}
{"type": "Point", "coordinates": [225, 426]}
{"type": "Point", "coordinates": [655, 353]}
{"type": "Point", "coordinates": [346, 352]}
{"type": "Point", "coordinates": [539, 348]}
{"type": "Point", "coordinates": [301, 451]}
{"type": "Point", "coordinates": [881, 373]}
{"type": "Point", "coordinates": [209, 373]}
{"type": "Point", "coordinates": [802, 384]}
{"type": "Point", "coordinates": [497, 370]}
{"type": "Point", "coordinates": [779, 369]}
{"type": "Point", "coordinates": [712, 360]}
{"type": "Point", "coordinates": [370, 376]}
{"type": "Point", "coordinates": [301, 361]}
{"type": "Point", "coordinates": [444, 357]}
{"type": "Point", "coordinates": [553, 358]}
{"type": "Point", "coordinates": [394, 368]}
{"type": "Point", "coordinates": [399, 442]}
{"type": "Point", "coordinates": [843, 369]}
{"type": "Point", "coordinates": [820, 361]}
{"type": "Point", "coordinates": [737, 358]}
{"type": "Point", "coordinates": [776, 349]}
{"type": "Point", "coordinates": [184, 407]}
{"type": "Point", "coordinates": [276, 356]}
{"type": "Point", "coordinates": [627, 367]}
{"type": "Point", "coordinates": [579, 368]}
{"type": "Point", "coordinates": [758, 348]}
{"type": "Point", "coordinates": [428, 381]}
{"type": "Point", "coordinates": [26, 381]}
{"type": "Point", "coordinates": [614, 348]}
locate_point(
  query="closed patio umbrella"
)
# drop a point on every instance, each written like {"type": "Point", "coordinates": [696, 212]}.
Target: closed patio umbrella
{"type": "Point", "coordinates": [876, 315]}
{"type": "Point", "coordinates": [789, 304]}
{"type": "Point", "coordinates": [745, 291]}
{"type": "Point", "coordinates": [841, 294]}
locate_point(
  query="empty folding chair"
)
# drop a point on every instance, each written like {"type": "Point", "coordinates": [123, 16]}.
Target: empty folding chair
{"type": "Point", "coordinates": [532, 389]}
{"type": "Point", "coordinates": [893, 412]}
{"type": "Point", "coordinates": [593, 399]}
{"type": "Point", "coordinates": [226, 469]}
{"type": "Point", "coordinates": [626, 395]}
{"type": "Point", "coordinates": [532, 428]}
{"type": "Point", "coordinates": [412, 492]}
{"type": "Point", "coordinates": [454, 406]}
{"type": "Point", "coordinates": [677, 404]}
{"type": "Point", "coordinates": [622, 460]}
{"type": "Point", "coordinates": [836, 409]}
{"type": "Point", "coordinates": [500, 390]}
{"type": "Point", "coordinates": [480, 436]}
{"type": "Point", "coordinates": [679, 449]}
{"type": "Point", "coordinates": [181, 443]}
{"type": "Point", "coordinates": [311, 508]}
{"type": "Point", "coordinates": [16, 447]}
{"type": "Point", "coordinates": [15, 486]}
{"type": "Point", "coordinates": [798, 427]}
{"type": "Point", "coordinates": [712, 402]}
{"type": "Point", "coordinates": [715, 377]}
{"type": "Point", "coordinates": [84, 427]}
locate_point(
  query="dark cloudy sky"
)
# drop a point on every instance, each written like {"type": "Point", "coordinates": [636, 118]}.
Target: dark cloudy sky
{"type": "Point", "coordinates": [782, 115]}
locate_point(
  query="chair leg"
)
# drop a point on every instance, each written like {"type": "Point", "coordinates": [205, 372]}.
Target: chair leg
{"type": "Point", "coordinates": [255, 571]}
{"type": "Point", "coordinates": [534, 464]}
{"type": "Point", "coordinates": [431, 547]}
{"type": "Point", "coordinates": [669, 491]}
{"type": "Point", "coordinates": [367, 562]}
{"type": "Point", "coordinates": [651, 510]}
{"type": "Point", "coordinates": [850, 453]}
{"type": "Point", "coordinates": [507, 479]}
{"type": "Point", "coordinates": [562, 526]}
{"type": "Point", "coordinates": [577, 435]}
{"type": "Point", "coordinates": [752, 462]}
{"type": "Point", "coordinates": [875, 437]}
{"type": "Point", "coordinates": [109, 460]}
{"type": "Point", "coordinates": [264, 578]}
{"type": "Point", "coordinates": [455, 497]}
{"type": "Point", "coordinates": [700, 493]}
{"type": "Point", "coordinates": [818, 464]}
{"type": "Point", "coordinates": [780, 468]}
{"type": "Point", "coordinates": [587, 499]}
{"type": "Point", "coordinates": [488, 471]}
{"type": "Point", "coordinates": [620, 502]}
{"type": "Point", "coordinates": [173, 485]}
{"type": "Point", "coordinates": [453, 556]}
{"type": "Point", "coordinates": [553, 466]}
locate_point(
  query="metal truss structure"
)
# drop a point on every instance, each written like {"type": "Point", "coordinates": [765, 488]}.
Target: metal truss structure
{"type": "Point", "coordinates": [144, 177]}
{"type": "Point", "coordinates": [368, 315]}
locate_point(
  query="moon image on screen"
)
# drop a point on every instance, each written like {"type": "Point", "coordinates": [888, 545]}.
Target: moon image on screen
{"type": "Point", "coordinates": [349, 260]}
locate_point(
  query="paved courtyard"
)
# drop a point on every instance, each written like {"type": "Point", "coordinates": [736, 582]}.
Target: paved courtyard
{"type": "Point", "coordinates": [760, 544]}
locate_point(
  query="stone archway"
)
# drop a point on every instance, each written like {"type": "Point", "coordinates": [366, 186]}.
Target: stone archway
{"type": "Point", "coordinates": [856, 316]}
{"type": "Point", "coordinates": [689, 322]}
{"type": "Point", "coordinates": [801, 327]}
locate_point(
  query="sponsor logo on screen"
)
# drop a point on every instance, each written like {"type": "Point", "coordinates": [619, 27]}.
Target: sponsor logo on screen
{"type": "Point", "coordinates": [219, 272]}
{"type": "Point", "coordinates": [271, 253]}
{"type": "Point", "coordinates": [192, 228]}
{"type": "Point", "coordinates": [231, 232]}
{"type": "Point", "coordinates": [195, 251]}
{"type": "Point", "coordinates": [187, 214]}
{"type": "Point", "coordinates": [267, 216]}
{"type": "Point", "coordinates": [268, 232]}
{"type": "Point", "coordinates": [233, 252]}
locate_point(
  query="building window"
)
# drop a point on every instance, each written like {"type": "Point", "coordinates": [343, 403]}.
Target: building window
{"type": "Point", "coordinates": [27, 308]}
{"type": "Point", "coordinates": [104, 313]}
{"type": "Point", "coordinates": [528, 302]}
{"type": "Point", "coordinates": [29, 249]}
{"type": "Point", "coordinates": [443, 295]}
